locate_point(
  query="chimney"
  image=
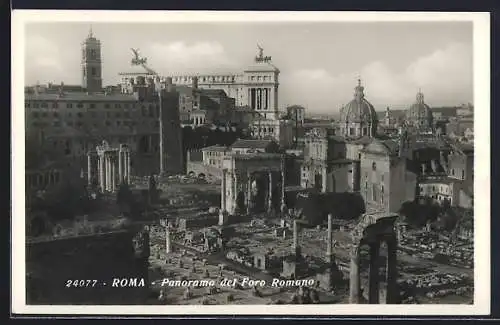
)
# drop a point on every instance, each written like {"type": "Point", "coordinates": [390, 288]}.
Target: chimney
{"type": "Point", "coordinates": [329, 248]}
{"type": "Point", "coordinates": [195, 82]}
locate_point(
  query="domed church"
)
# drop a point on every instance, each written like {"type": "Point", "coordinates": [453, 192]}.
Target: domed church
{"type": "Point", "coordinates": [419, 115]}
{"type": "Point", "coordinates": [358, 118]}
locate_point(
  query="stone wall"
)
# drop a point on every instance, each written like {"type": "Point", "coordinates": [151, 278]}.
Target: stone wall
{"type": "Point", "coordinates": [51, 263]}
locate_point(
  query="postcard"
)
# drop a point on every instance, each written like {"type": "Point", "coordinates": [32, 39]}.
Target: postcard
{"type": "Point", "coordinates": [250, 163]}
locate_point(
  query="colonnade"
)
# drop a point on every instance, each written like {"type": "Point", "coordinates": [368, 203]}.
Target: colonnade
{"type": "Point", "coordinates": [261, 98]}
{"type": "Point", "coordinates": [113, 166]}
{"type": "Point", "coordinates": [233, 183]}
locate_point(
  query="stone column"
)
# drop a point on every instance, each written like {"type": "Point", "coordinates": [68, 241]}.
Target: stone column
{"type": "Point", "coordinates": [259, 99]}
{"type": "Point", "coordinates": [120, 166]}
{"type": "Point", "coordinates": [235, 191]}
{"type": "Point", "coordinates": [249, 192]}
{"type": "Point", "coordinates": [392, 296]}
{"type": "Point", "coordinates": [89, 169]}
{"type": "Point", "coordinates": [374, 276]}
{"type": "Point", "coordinates": [113, 173]}
{"type": "Point", "coordinates": [295, 243]}
{"type": "Point", "coordinates": [270, 193]}
{"type": "Point", "coordinates": [283, 205]}
{"type": "Point", "coordinates": [354, 288]}
{"type": "Point", "coordinates": [267, 98]}
{"type": "Point", "coordinates": [324, 177]}
{"type": "Point", "coordinates": [102, 173]}
{"type": "Point", "coordinates": [108, 172]}
{"type": "Point", "coordinates": [223, 191]}
{"type": "Point", "coordinates": [168, 243]}
{"type": "Point", "coordinates": [128, 166]}
{"type": "Point", "coordinates": [329, 240]}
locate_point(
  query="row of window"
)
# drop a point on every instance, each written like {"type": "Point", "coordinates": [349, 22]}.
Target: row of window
{"type": "Point", "coordinates": [80, 114]}
{"type": "Point", "coordinates": [95, 125]}
{"type": "Point", "coordinates": [45, 104]}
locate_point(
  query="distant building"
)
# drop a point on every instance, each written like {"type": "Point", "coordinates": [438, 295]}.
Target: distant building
{"type": "Point", "coordinates": [440, 190]}
{"type": "Point", "coordinates": [419, 115]}
{"type": "Point", "coordinates": [461, 163]}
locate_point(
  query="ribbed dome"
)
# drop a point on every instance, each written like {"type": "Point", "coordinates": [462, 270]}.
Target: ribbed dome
{"type": "Point", "coordinates": [358, 109]}
{"type": "Point", "coordinates": [419, 109]}
{"type": "Point", "coordinates": [419, 112]}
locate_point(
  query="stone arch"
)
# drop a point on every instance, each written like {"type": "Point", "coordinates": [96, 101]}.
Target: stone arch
{"type": "Point", "coordinates": [191, 174]}
{"type": "Point", "coordinates": [372, 230]}
{"type": "Point", "coordinates": [202, 175]}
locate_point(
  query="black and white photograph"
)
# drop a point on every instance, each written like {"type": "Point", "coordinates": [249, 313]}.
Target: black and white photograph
{"type": "Point", "coordinates": [240, 161]}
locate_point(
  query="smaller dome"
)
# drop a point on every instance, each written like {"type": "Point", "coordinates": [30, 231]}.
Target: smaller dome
{"type": "Point", "coordinates": [358, 109]}
{"type": "Point", "coordinates": [419, 111]}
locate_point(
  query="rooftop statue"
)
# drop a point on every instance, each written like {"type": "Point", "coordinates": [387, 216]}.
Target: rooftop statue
{"type": "Point", "coordinates": [260, 57]}
{"type": "Point", "coordinates": [137, 60]}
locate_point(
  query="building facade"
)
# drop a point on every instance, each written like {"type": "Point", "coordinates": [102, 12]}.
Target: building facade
{"type": "Point", "coordinates": [385, 181]}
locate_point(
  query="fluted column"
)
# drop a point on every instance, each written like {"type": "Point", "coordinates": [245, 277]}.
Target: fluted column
{"type": "Point", "coordinates": [259, 98]}
{"type": "Point", "coordinates": [89, 169]}
{"type": "Point", "coordinates": [128, 166]}
{"type": "Point", "coordinates": [102, 173]}
{"type": "Point", "coordinates": [120, 167]}
{"type": "Point", "coordinates": [354, 285]}
{"type": "Point", "coordinates": [374, 277]}
{"type": "Point", "coordinates": [113, 174]}
{"type": "Point", "coordinates": [108, 173]}
{"type": "Point", "coordinates": [270, 193]}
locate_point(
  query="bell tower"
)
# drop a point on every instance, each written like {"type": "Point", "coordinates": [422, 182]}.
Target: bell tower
{"type": "Point", "coordinates": [91, 64]}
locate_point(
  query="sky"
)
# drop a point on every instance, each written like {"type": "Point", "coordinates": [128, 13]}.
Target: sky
{"type": "Point", "coordinates": [320, 62]}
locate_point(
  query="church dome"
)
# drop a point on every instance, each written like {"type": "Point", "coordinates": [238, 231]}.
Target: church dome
{"type": "Point", "coordinates": [419, 112]}
{"type": "Point", "coordinates": [358, 110]}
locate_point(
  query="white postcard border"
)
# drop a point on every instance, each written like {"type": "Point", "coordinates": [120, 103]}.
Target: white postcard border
{"type": "Point", "coordinates": [481, 57]}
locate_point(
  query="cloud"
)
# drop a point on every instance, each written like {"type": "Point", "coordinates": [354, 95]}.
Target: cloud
{"type": "Point", "coordinates": [445, 77]}
{"type": "Point", "coordinates": [182, 57]}
{"type": "Point", "coordinates": [42, 58]}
